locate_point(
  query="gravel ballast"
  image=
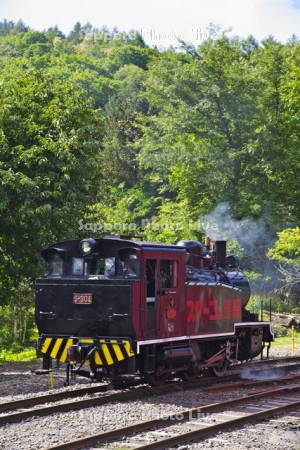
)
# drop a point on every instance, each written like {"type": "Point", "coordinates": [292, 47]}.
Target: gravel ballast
{"type": "Point", "coordinates": [18, 381]}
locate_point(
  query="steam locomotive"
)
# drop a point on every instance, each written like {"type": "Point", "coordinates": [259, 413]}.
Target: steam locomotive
{"type": "Point", "coordinates": [118, 309]}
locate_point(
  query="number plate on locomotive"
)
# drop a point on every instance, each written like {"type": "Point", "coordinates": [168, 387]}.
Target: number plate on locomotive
{"type": "Point", "coordinates": [82, 299]}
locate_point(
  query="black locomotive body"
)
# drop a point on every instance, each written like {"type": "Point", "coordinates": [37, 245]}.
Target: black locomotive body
{"type": "Point", "coordinates": [126, 309]}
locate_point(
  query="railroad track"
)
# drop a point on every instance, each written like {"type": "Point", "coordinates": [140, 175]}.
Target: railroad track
{"type": "Point", "coordinates": [204, 420]}
{"type": "Point", "coordinates": [49, 398]}
{"type": "Point", "coordinates": [293, 361]}
{"type": "Point", "coordinates": [19, 411]}
{"type": "Point", "coordinates": [120, 396]}
{"type": "Point", "coordinates": [245, 383]}
{"type": "Point", "coordinates": [285, 359]}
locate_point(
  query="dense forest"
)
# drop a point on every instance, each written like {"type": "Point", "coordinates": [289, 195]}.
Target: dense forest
{"type": "Point", "coordinates": [101, 134]}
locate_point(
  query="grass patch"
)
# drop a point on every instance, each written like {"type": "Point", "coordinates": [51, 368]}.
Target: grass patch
{"type": "Point", "coordinates": [286, 340]}
{"type": "Point", "coordinates": [28, 354]}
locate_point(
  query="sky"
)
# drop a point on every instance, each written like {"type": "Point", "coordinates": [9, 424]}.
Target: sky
{"type": "Point", "coordinates": [161, 21]}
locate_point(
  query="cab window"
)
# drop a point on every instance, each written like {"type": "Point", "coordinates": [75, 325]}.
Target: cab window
{"type": "Point", "coordinates": [129, 266]}
{"type": "Point", "coordinates": [168, 273]}
{"type": "Point", "coordinates": [151, 279]}
{"type": "Point", "coordinates": [105, 267]}
{"type": "Point", "coordinates": [55, 267]}
{"type": "Point", "coordinates": [110, 267]}
{"type": "Point", "coordinates": [77, 266]}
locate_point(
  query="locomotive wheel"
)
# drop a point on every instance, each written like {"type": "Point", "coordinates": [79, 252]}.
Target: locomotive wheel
{"type": "Point", "coordinates": [188, 375]}
{"type": "Point", "coordinates": [220, 369]}
{"type": "Point", "coordinates": [155, 380]}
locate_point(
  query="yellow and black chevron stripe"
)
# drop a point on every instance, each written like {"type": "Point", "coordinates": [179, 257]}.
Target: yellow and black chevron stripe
{"type": "Point", "coordinates": [107, 351]}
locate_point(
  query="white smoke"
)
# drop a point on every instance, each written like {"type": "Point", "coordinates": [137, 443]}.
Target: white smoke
{"type": "Point", "coordinates": [267, 374]}
{"type": "Point", "coordinates": [220, 225]}
{"type": "Point", "coordinates": [253, 237]}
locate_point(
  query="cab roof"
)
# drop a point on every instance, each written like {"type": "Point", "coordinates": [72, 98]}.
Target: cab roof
{"type": "Point", "coordinates": [106, 246]}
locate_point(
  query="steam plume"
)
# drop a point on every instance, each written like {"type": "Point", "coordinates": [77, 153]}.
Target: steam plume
{"type": "Point", "coordinates": [220, 225]}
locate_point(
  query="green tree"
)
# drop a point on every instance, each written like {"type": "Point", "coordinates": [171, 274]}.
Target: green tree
{"type": "Point", "coordinates": [49, 135]}
{"type": "Point", "coordinates": [286, 249]}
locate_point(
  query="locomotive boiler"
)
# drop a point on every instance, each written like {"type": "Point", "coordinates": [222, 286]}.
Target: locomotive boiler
{"type": "Point", "coordinates": [118, 309]}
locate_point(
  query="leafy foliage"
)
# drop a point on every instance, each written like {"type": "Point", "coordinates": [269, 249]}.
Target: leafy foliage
{"type": "Point", "coordinates": [287, 248]}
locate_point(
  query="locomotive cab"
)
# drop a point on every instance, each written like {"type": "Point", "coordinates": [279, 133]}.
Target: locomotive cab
{"type": "Point", "coordinates": [72, 297]}
{"type": "Point", "coordinates": [85, 302]}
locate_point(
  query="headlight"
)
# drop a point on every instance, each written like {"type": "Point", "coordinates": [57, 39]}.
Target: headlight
{"type": "Point", "coordinates": [87, 245]}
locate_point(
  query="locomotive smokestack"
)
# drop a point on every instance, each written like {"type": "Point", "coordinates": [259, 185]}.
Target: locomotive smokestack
{"type": "Point", "coordinates": [207, 243]}
{"type": "Point", "coordinates": [220, 247]}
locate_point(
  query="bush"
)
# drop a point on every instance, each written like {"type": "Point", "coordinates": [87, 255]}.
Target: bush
{"type": "Point", "coordinates": [283, 304]}
{"type": "Point", "coordinates": [17, 326]}
{"type": "Point", "coordinates": [280, 330]}
{"type": "Point", "coordinates": [28, 354]}
{"type": "Point", "coordinates": [15, 347]}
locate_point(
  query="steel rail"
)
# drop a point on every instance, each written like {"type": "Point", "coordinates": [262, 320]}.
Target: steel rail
{"type": "Point", "coordinates": [48, 398]}
{"type": "Point", "coordinates": [249, 383]}
{"type": "Point", "coordinates": [279, 359]}
{"type": "Point", "coordinates": [284, 363]}
{"type": "Point", "coordinates": [202, 432]}
{"type": "Point", "coordinates": [131, 394]}
{"type": "Point", "coordinates": [180, 417]}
